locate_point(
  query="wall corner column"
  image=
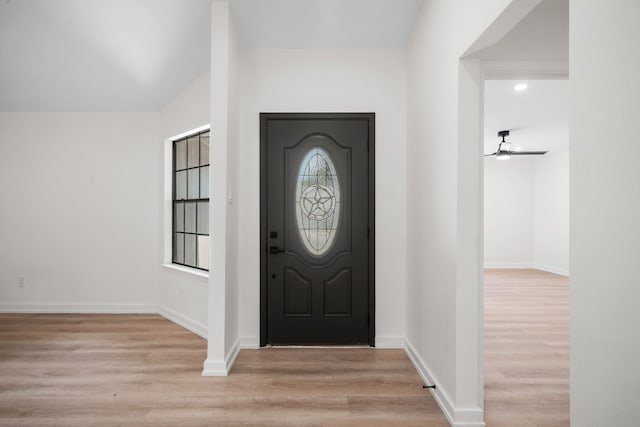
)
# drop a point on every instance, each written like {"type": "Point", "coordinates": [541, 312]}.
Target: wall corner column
{"type": "Point", "coordinates": [216, 363]}
{"type": "Point", "coordinates": [469, 281]}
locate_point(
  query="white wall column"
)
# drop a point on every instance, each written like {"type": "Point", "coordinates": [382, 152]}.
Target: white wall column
{"type": "Point", "coordinates": [605, 207]}
{"type": "Point", "coordinates": [216, 364]}
{"type": "Point", "coordinates": [469, 281]}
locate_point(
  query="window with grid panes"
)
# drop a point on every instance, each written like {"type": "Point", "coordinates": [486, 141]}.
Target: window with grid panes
{"type": "Point", "coordinates": [191, 201]}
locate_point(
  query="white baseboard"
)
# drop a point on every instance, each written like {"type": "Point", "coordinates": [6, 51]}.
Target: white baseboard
{"type": "Point", "coordinates": [249, 342]}
{"type": "Point", "coordinates": [472, 417]}
{"type": "Point", "coordinates": [230, 359]}
{"type": "Point", "coordinates": [215, 368]}
{"type": "Point", "coordinates": [165, 312]}
{"type": "Point", "coordinates": [184, 321]}
{"type": "Point", "coordinates": [390, 342]}
{"type": "Point", "coordinates": [218, 368]}
{"type": "Point", "coordinates": [79, 308]}
{"type": "Point", "coordinates": [469, 418]}
{"type": "Point", "coordinates": [554, 270]}
{"type": "Point", "coordinates": [507, 265]}
{"type": "Point", "coordinates": [439, 394]}
{"type": "Point", "coordinates": [547, 268]}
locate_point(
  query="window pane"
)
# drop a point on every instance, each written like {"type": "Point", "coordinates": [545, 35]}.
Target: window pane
{"type": "Point", "coordinates": [203, 252]}
{"type": "Point", "coordinates": [204, 149]}
{"type": "Point", "coordinates": [203, 218]}
{"type": "Point", "coordinates": [193, 183]}
{"type": "Point", "coordinates": [178, 216]}
{"type": "Point", "coordinates": [193, 158]}
{"type": "Point", "coordinates": [178, 248]}
{"type": "Point", "coordinates": [204, 182]}
{"type": "Point", "coordinates": [181, 185]}
{"type": "Point", "coordinates": [190, 217]}
{"type": "Point", "coordinates": [190, 250]}
{"type": "Point", "coordinates": [181, 154]}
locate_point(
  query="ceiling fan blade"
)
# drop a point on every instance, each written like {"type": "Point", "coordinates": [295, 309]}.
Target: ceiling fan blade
{"type": "Point", "coordinates": [527, 153]}
{"type": "Point", "coordinates": [492, 154]}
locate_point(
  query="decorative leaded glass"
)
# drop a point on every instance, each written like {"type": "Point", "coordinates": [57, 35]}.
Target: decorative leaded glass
{"type": "Point", "coordinates": [317, 201]}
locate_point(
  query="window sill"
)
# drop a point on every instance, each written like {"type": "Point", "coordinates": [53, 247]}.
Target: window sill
{"type": "Point", "coordinates": [187, 270]}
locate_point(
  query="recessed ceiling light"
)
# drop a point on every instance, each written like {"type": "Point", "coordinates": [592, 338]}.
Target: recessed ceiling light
{"type": "Point", "coordinates": [520, 87]}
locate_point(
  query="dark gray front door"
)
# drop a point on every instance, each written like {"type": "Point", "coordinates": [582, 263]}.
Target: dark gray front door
{"type": "Point", "coordinates": [317, 284]}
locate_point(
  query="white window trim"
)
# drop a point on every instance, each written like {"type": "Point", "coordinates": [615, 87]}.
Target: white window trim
{"type": "Point", "coordinates": [187, 270]}
{"type": "Point", "coordinates": [167, 202]}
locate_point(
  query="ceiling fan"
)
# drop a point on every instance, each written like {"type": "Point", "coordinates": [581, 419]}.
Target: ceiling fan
{"type": "Point", "coordinates": [504, 149]}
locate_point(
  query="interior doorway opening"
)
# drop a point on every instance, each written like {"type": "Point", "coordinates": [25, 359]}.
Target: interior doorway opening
{"type": "Point", "coordinates": [527, 44]}
{"type": "Point", "coordinates": [526, 251]}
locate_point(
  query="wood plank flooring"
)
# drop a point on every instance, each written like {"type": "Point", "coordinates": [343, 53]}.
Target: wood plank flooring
{"type": "Point", "coordinates": [526, 340]}
{"type": "Point", "coordinates": [118, 370]}
{"type": "Point", "coordinates": [111, 370]}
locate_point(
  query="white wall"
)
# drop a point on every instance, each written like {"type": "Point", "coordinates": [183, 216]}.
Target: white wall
{"type": "Point", "coordinates": [526, 213]}
{"type": "Point", "coordinates": [189, 109]}
{"type": "Point", "coordinates": [605, 208]}
{"type": "Point", "coordinates": [443, 205]}
{"type": "Point", "coordinates": [509, 213]}
{"type": "Point", "coordinates": [290, 80]}
{"type": "Point", "coordinates": [79, 218]}
{"type": "Point", "coordinates": [551, 213]}
{"type": "Point", "coordinates": [182, 297]}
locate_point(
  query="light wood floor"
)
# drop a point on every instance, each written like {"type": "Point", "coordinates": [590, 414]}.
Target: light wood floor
{"type": "Point", "coordinates": [526, 340]}
{"type": "Point", "coordinates": [110, 370]}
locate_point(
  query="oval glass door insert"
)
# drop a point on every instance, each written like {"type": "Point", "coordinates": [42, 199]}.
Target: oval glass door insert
{"type": "Point", "coordinates": [317, 202]}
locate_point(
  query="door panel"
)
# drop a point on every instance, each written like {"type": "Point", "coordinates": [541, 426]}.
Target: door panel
{"type": "Point", "coordinates": [316, 209]}
{"type": "Point", "coordinates": [337, 294]}
{"type": "Point", "coordinates": [297, 294]}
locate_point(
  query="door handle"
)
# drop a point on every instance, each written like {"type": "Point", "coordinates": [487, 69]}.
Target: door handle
{"type": "Point", "coordinates": [275, 250]}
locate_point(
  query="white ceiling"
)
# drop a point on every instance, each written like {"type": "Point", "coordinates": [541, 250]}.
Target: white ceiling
{"type": "Point", "coordinates": [324, 23]}
{"type": "Point", "coordinates": [541, 35]}
{"type": "Point", "coordinates": [136, 55]}
{"type": "Point", "coordinates": [100, 55]}
{"type": "Point", "coordinates": [538, 116]}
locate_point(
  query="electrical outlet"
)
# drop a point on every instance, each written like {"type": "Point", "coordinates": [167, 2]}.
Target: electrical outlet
{"type": "Point", "coordinates": [21, 281]}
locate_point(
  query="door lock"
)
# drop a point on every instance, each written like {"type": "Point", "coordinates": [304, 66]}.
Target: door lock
{"type": "Point", "coordinates": [275, 250]}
